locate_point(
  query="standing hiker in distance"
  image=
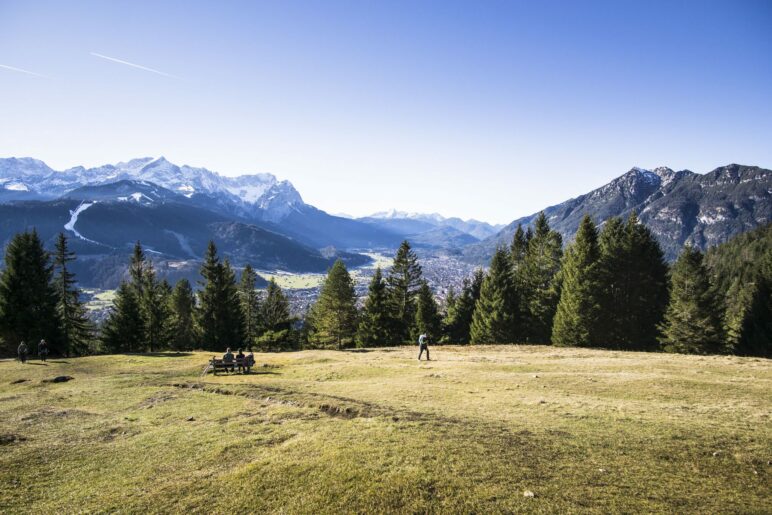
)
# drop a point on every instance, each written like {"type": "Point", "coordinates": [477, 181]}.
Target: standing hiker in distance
{"type": "Point", "coordinates": [22, 351]}
{"type": "Point", "coordinates": [423, 345]}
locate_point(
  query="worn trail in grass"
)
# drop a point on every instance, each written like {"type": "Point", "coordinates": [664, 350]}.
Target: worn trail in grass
{"type": "Point", "coordinates": [326, 431]}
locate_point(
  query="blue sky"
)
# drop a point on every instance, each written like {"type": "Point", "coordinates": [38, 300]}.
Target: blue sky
{"type": "Point", "coordinates": [480, 109]}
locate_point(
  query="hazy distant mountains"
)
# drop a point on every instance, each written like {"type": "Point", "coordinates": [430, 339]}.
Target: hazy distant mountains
{"type": "Point", "coordinates": [432, 230]}
{"type": "Point", "coordinates": [175, 210]}
{"type": "Point", "coordinates": [680, 207]}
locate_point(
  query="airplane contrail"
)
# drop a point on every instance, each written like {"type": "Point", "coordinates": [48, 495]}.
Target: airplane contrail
{"type": "Point", "coordinates": [20, 70]}
{"type": "Point", "coordinates": [127, 63]}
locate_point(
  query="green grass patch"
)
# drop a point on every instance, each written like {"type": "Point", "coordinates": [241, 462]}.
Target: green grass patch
{"type": "Point", "coordinates": [376, 431]}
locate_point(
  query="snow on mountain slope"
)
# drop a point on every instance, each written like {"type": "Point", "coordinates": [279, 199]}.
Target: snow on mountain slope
{"type": "Point", "coordinates": [264, 191]}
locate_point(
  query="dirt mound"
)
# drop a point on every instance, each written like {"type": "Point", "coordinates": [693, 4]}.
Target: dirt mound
{"type": "Point", "coordinates": [58, 379]}
{"type": "Point", "coordinates": [7, 439]}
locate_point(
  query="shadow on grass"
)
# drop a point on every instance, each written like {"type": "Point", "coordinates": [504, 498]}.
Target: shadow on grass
{"type": "Point", "coordinates": [159, 354]}
{"type": "Point", "coordinates": [37, 364]}
{"type": "Point", "coordinates": [59, 361]}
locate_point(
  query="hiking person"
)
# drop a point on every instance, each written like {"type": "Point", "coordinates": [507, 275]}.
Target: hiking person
{"type": "Point", "coordinates": [43, 350]}
{"type": "Point", "coordinates": [22, 351]}
{"type": "Point", "coordinates": [227, 359]}
{"type": "Point", "coordinates": [423, 345]}
{"type": "Point", "coordinates": [240, 361]}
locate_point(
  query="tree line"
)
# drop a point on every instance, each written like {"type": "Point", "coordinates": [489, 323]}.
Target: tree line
{"type": "Point", "coordinates": [609, 288]}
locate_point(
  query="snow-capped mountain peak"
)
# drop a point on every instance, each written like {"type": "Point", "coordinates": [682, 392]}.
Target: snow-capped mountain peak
{"type": "Point", "coordinates": [263, 191]}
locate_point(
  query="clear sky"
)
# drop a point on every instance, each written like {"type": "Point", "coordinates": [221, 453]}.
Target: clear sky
{"type": "Point", "coordinates": [480, 109]}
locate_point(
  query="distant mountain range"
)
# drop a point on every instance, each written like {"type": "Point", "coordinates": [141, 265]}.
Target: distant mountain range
{"type": "Point", "coordinates": [175, 210]}
{"type": "Point", "coordinates": [679, 207]}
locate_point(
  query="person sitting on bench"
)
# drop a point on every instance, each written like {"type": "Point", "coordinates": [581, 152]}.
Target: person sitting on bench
{"type": "Point", "coordinates": [249, 361]}
{"type": "Point", "coordinates": [240, 361]}
{"type": "Point", "coordinates": [227, 360]}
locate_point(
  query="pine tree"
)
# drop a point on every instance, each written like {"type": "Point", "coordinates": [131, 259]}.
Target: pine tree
{"type": "Point", "coordinates": [77, 331]}
{"type": "Point", "coordinates": [123, 331]}
{"type": "Point", "coordinates": [577, 318]}
{"type": "Point", "coordinates": [374, 322]}
{"type": "Point", "coordinates": [183, 327]}
{"type": "Point", "coordinates": [27, 297]}
{"type": "Point", "coordinates": [634, 285]}
{"type": "Point", "coordinates": [403, 283]}
{"type": "Point", "coordinates": [427, 316]}
{"type": "Point", "coordinates": [275, 312]}
{"type": "Point", "coordinates": [519, 247]}
{"type": "Point", "coordinates": [536, 278]}
{"type": "Point", "coordinates": [250, 304]}
{"type": "Point", "coordinates": [219, 312]}
{"type": "Point", "coordinates": [691, 323]}
{"type": "Point", "coordinates": [154, 305]}
{"type": "Point", "coordinates": [334, 315]}
{"type": "Point", "coordinates": [458, 320]}
{"type": "Point", "coordinates": [494, 314]}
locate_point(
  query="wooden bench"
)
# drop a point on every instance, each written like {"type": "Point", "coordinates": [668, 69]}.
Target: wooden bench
{"type": "Point", "coordinates": [237, 365]}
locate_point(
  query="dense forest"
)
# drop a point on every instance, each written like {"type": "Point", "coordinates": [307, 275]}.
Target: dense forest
{"type": "Point", "coordinates": [609, 288]}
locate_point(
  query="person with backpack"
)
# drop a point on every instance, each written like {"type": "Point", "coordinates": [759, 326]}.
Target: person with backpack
{"type": "Point", "coordinates": [423, 345]}
{"type": "Point", "coordinates": [43, 350]}
{"type": "Point", "coordinates": [22, 351]}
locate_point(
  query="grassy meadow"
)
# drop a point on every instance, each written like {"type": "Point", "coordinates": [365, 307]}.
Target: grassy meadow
{"type": "Point", "coordinates": [376, 431]}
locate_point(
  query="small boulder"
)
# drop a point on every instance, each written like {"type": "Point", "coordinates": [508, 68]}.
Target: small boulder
{"type": "Point", "coordinates": [190, 419]}
{"type": "Point", "coordinates": [528, 494]}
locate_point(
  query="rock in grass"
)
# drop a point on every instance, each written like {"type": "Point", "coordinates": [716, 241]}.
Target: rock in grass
{"type": "Point", "coordinates": [190, 419]}
{"type": "Point", "coordinates": [528, 494]}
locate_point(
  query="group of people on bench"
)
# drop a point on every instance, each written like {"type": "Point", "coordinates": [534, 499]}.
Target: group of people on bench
{"type": "Point", "coordinates": [241, 361]}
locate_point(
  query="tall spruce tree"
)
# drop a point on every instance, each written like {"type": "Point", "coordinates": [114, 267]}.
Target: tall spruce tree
{"type": "Point", "coordinates": [154, 305]}
{"type": "Point", "coordinates": [275, 309]}
{"type": "Point", "coordinates": [692, 321]}
{"type": "Point", "coordinates": [124, 328]}
{"type": "Point", "coordinates": [577, 317]}
{"type": "Point", "coordinates": [334, 315]}
{"type": "Point", "coordinates": [219, 311]}
{"type": "Point", "coordinates": [536, 278]}
{"type": "Point", "coordinates": [494, 320]}
{"type": "Point", "coordinates": [427, 315]}
{"type": "Point", "coordinates": [183, 326]}
{"type": "Point", "coordinates": [374, 321]}
{"type": "Point", "coordinates": [634, 285]}
{"type": "Point", "coordinates": [458, 321]}
{"type": "Point", "coordinates": [250, 304]}
{"type": "Point", "coordinates": [77, 331]}
{"type": "Point", "coordinates": [402, 284]}
{"type": "Point", "coordinates": [27, 296]}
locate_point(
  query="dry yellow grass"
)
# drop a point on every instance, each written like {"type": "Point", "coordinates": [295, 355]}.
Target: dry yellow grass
{"type": "Point", "coordinates": [375, 431]}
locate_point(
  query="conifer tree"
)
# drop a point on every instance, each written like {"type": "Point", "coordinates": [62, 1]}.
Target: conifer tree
{"type": "Point", "coordinates": [374, 321]}
{"type": "Point", "coordinates": [427, 315]}
{"type": "Point", "coordinates": [219, 312]}
{"type": "Point", "coordinates": [334, 315]}
{"type": "Point", "coordinates": [519, 247]}
{"type": "Point", "coordinates": [494, 314]}
{"type": "Point", "coordinates": [27, 297]}
{"type": "Point", "coordinates": [183, 327]}
{"type": "Point", "coordinates": [691, 323]}
{"type": "Point", "coordinates": [77, 331]}
{"type": "Point", "coordinates": [577, 318]}
{"type": "Point", "coordinates": [633, 296]}
{"type": "Point", "coordinates": [275, 309]}
{"type": "Point", "coordinates": [536, 278]}
{"type": "Point", "coordinates": [403, 283]}
{"type": "Point", "coordinates": [154, 306]}
{"type": "Point", "coordinates": [123, 331]}
{"type": "Point", "coordinates": [250, 304]}
{"type": "Point", "coordinates": [458, 320]}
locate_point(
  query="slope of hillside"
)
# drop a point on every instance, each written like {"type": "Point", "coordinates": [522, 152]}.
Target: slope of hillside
{"type": "Point", "coordinates": [680, 207]}
{"type": "Point", "coordinates": [585, 431]}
